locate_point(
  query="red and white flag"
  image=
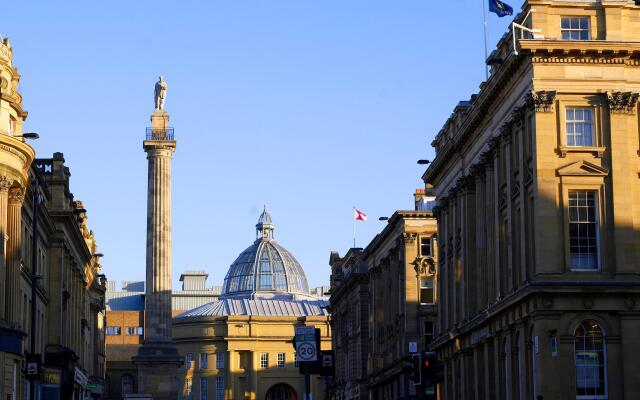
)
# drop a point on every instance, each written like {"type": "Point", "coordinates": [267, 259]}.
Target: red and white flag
{"type": "Point", "coordinates": [359, 215]}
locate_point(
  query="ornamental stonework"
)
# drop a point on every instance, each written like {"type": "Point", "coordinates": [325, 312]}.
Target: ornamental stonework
{"type": "Point", "coordinates": [622, 102]}
{"type": "Point", "coordinates": [541, 101]}
{"type": "Point", "coordinates": [16, 196]}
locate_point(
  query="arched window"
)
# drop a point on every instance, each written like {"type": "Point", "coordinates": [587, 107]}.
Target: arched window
{"type": "Point", "coordinates": [126, 383]}
{"type": "Point", "coordinates": [591, 361]}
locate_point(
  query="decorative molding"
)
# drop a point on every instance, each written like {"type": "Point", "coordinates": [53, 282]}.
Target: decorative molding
{"type": "Point", "coordinates": [503, 200]}
{"type": "Point", "coordinates": [16, 196]}
{"type": "Point", "coordinates": [5, 184]}
{"type": "Point", "coordinates": [518, 115]}
{"type": "Point", "coordinates": [623, 102]}
{"type": "Point", "coordinates": [541, 101]}
{"type": "Point", "coordinates": [595, 150]}
{"type": "Point", "coordinates": [409, 237]}
{"type": "Point", "coordinates": [15, 152]}
{"type": "Point", "coordinates": [582, 168]}
{"type": "Point", "coordinates": [424, 265]}
{"type": "Point", "coordinates": [630, 303]}
{"type": "Point", "coordinates": [587, 302]}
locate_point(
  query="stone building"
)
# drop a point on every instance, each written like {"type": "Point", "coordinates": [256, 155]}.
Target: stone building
{"type": "Point", "coordinates": [383, 306]}
{"type": "Point", "coordinates": [69, 296]}
{"type": "Point", "coordinates": [125, 325]}
{"type": "Point", "coordinates": [349, 323]}
{"type": "Point", "coordinates": [241, 346]}
{"type": "Point", "coordinates": [538, 207]}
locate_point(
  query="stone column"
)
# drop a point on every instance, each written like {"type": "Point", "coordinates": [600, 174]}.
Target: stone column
{"type": "Point", "coordinates": [4, 193]}
{"type": "Point", "coordinates": [13, 256]}
{"type": "Point", "coordinates": [158, 359]}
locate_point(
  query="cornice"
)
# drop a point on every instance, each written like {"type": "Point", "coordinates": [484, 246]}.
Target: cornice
{"type": "Point", "coordinates": [478, 111]}
{"type": "Point", "coordinates": [580, 50]}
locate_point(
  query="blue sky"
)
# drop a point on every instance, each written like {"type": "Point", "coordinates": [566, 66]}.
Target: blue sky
{"type": "Point", "coordinates": [309, 107]}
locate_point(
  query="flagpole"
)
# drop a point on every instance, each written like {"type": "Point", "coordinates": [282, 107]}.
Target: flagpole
{"type": "Point", "coordinates": [486, 55]}
{"type": "Point", "coordinates": [353, 216]}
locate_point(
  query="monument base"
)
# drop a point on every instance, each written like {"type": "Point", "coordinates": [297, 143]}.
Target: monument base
{"type": "Point", "coordinates": [158, 365]}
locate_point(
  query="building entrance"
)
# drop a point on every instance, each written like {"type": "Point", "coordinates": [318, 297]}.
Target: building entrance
{"type": "Point", "coordinates": [281, 391]}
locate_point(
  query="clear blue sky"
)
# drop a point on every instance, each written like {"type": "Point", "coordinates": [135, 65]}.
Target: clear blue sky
{"type": "Point", "coordinates": [310, 107]}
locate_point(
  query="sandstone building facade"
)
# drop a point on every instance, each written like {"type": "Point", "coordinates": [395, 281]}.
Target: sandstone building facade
{"type": "Point", "coordinates": [241, 346]}
{"type": "Point", "coordinates": [383, 307]}
{"type": "Point", "coordinates": [538, 207]}
{"type": "Point", "coordinates": [69, 297]}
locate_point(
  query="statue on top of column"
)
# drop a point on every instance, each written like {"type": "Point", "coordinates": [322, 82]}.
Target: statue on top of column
{"type": "Point", "coordinates": [160, 93]}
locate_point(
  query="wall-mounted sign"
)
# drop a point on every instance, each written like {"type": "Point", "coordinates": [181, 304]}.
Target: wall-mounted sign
{"type": "Point", "coordinates": [554, 346]}
{"type": "Point", "coordinates": [413, 347]}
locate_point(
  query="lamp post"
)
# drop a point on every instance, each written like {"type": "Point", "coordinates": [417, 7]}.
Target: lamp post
{"type": "Point", "coordinates": [34, 269]}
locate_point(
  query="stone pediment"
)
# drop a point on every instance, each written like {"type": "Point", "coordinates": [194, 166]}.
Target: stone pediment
{"type": "Point", "coordinates": [582, 168]}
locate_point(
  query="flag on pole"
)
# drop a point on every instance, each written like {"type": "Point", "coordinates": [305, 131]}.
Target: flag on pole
{"type": "Point", "coordinates": [501, 8]}
{"type": "Point", "coordinates": [359, 215]}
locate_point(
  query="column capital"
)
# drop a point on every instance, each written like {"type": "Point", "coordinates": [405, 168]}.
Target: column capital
{"type": "Point", "coordinates": [16, 196]}
{"type": "Point", "coordinates": [5, 184]}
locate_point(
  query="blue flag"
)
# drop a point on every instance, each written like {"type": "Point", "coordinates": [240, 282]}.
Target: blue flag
{"type": "Point", "coordinates": [500, 8]}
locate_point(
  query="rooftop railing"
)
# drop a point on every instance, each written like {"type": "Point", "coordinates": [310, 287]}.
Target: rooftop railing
{"type": "Point", "coordinates": [160, 133]}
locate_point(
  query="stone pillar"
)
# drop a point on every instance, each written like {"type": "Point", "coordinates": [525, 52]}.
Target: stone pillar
{"type": "Point", "coordinates": [158, 359]}
{"type": "Point", "coordinates": [13, 231]}
{"type": "Point", "coordinates": [4, 296]}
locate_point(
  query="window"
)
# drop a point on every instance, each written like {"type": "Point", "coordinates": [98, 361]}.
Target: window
{"type": "Point", "coordinates": [426, 290]}
{"type": "Point", "coordinates": [114, 330]}
{"type": "Point", "coordinates": [133, 331]}
{"type": "Point", "coordinates": [579, 125]}
{"type": "Point", "coordinates": [204, 389]}
{"type": "Point", "coordinates": [126, 384]}
{"type": "Point", "coordinates": [280, 360]}
{"type": "Point", "coordinates": [187, 389]}
{"type": "Point", "coordinates": [425, 247]}
{"type": "Point", "coordinates": [12, 126]}
{"type": "Point", "coordinates": [219, 388]}
{"type": "Point", "coordinates": [591, 362]}
{"type": "Point", "coordinates": [264, 360]}
{"type": "Point", "coordinates": [204, 361]}
{"type": "Point", "coordinates": [575, 28]}
{"type": "Point", "coordinates": [583, 229]}
{"type": "Point", "coordinates": [427, 334]}
{"type": "Point", "coordinates": [295, 360]}
{"type": "Point", "coordinates": [188, 361]}
{"type": "Point", "coordinates": [220, 360]}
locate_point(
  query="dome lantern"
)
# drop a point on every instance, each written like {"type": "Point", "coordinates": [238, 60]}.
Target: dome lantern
{"type": "Point", "coordinates": [265, 227]}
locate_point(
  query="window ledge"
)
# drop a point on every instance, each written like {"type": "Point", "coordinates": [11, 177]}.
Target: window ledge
{"type": "Point", "coordinates": [584, 270]}
{"type": "Point", "coordinates": [598, 151]}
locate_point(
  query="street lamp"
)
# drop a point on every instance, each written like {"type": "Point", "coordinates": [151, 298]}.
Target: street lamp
{"type": "Point", "coordinates": [30, 135]}
{"type": "Point", "coordinates": [383, 219]}
{"type": "Point", "coordinates": [423, 162]}
{"type": "Point", "coordinates": [34, 266]}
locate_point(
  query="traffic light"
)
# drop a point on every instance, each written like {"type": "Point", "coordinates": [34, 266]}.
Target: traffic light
{"type": "Point", "coordinates": [416, 368]}
{"type": "Point", "coordinates": [432, 370]}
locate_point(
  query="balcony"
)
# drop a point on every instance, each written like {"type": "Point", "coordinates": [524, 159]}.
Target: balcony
{"type": "Point", "coordinates": [160, 133]}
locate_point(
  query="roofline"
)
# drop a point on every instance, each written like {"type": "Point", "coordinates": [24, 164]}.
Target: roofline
{"type": "Point", "coordinates": [397, 217]}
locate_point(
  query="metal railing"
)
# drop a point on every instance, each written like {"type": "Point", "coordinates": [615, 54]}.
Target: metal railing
{"type": "Point", "coordinates": [160, 134]}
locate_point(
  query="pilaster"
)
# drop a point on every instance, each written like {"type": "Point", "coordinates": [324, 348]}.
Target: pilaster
{"type": "Point", "coordinates": [5, 301]}
{"type": "Point", "coordinates": [14, 240]}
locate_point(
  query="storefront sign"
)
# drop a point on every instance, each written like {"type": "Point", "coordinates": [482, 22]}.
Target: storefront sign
{"type": "Point", "coordinates": [80, 378]}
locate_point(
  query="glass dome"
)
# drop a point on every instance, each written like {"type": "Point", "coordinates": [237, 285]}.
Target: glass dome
{"type": "Point", "coordinates": [265, 267]}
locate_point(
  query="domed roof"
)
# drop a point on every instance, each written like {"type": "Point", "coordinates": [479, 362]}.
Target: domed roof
{"type": "Point", "coordinates": [265, 268]}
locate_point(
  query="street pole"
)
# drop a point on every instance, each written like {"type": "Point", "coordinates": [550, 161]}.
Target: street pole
{"type": "Point", "coordinates": [307, 384]}
{"type": "Point", "coordinates": [34, 260]}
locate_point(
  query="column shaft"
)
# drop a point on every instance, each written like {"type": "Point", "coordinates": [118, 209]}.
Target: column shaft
{"type": "Point", "coordinates": [4, 188]}
{"type": "Point", "coordinates": [13, 257]}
